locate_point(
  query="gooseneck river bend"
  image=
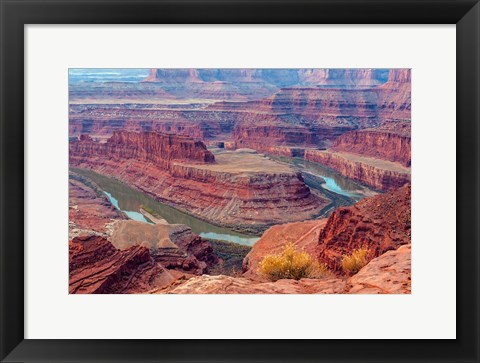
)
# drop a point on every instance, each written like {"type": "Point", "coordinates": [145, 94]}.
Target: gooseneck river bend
{"type": "Point", "coordinates": [342, 191]}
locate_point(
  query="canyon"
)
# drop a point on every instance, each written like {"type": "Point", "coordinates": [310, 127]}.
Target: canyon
{"type": "Point", "coordinates": [379, 174]}
{"type": "Point", "coordinates": [290, 113]}
{"type": "Point", "coordinates": [340, 101]}
{"type": "Point", "coordinates": [170, 160]}
{"type": "Point", "coordinates": [228, 189]}
{"type": "Point", "coordinates": [380, 223]}
{"type": "Point", "coordinates": [111, 254]}
{"type": "Point", "coordinates": [132, 257]}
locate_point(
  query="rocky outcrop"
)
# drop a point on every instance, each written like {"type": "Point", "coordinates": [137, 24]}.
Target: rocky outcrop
{"type": "Point", "coordinates": [380, 223]}
{"type": "Point", "coordinates": [304, 235]}
{"type": "Point", "coordinates": [89, 211]}
{"type": "Point", "coordinates": [157, 148]}
{"type": "Point", "coordinates": [97, 267]}
{"type": "Point", "coordinates": [349, 77]}
{"type": "Point", "coordinates": [175, 246]}
{"type": "Point", "coordinates": [377, 143]}
{"type": "Point", "coordinates": [264, 136]}
{"type": "Point", "coordinates": [378, 174]}
{"type": "Point", "coordinates": [399, 75]}
{"type": "Point", "coordinates": [395, 96]}
{"type": "Point", "coordinates": [316, 104]}
{"type": "Point", "coordinates": [222, 284]}
{"type": "Point", "coordinates": [389, 273]}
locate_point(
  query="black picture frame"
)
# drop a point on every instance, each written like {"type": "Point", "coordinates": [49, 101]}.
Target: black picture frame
{"type": "Point", "coordinates": [16, 13]}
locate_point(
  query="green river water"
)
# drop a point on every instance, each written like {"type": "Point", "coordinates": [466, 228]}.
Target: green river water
{"type": "Point", "coordinates": [340, 190]}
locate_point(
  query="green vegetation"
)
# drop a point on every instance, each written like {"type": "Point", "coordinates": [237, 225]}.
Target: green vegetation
{"type": "Point", "coordinates": [232, 255]}
{"type": "Point", "coordinates": [291, 264]}
{"type": "Point", "coordinates": [353, 263]}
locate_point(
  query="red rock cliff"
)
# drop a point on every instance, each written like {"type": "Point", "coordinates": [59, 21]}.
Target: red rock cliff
{"type": "Point", "coordinates": [382, 144]}
{"type": "Point", "coordinates": [145, 146]}
{"type": "Point", "coordinates": [381, 223]}
{"type": "Point", "coordinates": [96, 267]}
{"type": "Point", "coordinates": [243, 191]}
{"type": "Point", "coordinates": [378, 174]}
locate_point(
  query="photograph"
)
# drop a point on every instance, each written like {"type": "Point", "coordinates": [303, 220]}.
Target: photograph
{"type": "Point", "coordinates": [239, 180]}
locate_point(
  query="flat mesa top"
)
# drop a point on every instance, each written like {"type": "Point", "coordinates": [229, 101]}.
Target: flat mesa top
{"type": "Point", "coordinates": [243, 162]}
{"type": "Point", "coordinates": [378, 163]}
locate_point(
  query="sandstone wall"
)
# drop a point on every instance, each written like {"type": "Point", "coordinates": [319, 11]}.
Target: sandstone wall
{"type": "Point", "coordinates": [245, 201]}
{"type": "Point", "coordinates": [380, 223]}
{"type": "Point", "coordinates": [96, 267]}
{"type": "Point", "coordinates": [376, 143]}
{"type": "Point", "coordinates": [375, 177]}
{"type": "Point", "coordinates": [153, 147]}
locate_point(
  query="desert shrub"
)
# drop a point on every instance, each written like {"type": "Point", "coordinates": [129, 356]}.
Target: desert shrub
{"type": "Point", "coordinates": [352, 263]}
{"type": "Point", "coordinates": [291, 264]}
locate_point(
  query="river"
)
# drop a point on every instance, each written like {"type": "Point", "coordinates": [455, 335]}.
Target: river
{"type": "Point", "coordinates": [130, 201]}
{"type": "Point", "coordinates": [327, 179]}
{"type": "Point", "coordinates": [340, 190]}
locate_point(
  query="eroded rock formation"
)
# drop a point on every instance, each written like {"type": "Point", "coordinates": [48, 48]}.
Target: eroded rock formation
{"type": "Point", "coordinates": [242, 190]}
{"type": "Point", "coordinates": [388, 274]}
{"type": "Point", "coordinates": [222, 284]}
{"type": "Point", "coordinates": [97, 267]}
{"type": "Point", "coordinates": [175, 246]}
{"type": "Point", "coordinates": [380, 223]}
{"type": "Point", "coordinates": [89, 210]}
{"type": "Point", "coordinates": [378, 143]}
{"type": "Point", "coordinates": [157, 148]}
{"type": "Point", "coordinates": [260, 109]}
{"type": "Point", "coordinates": [376, 173]}
{"type": "Point", "coordinates": [110, 254]}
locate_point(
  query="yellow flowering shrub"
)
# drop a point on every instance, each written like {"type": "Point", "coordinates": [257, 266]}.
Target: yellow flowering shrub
{"type": "Point", "coordinates": [291, 264]}
{"type": "Point", "coordinates": [353, 263]}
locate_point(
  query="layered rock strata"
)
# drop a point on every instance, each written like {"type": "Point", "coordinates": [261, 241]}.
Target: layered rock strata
{"type": "Point", "coordinates": [377, 143]}
{"type": "Point", "coordinates": [89, 210]}
{"type": "Point", "coordinates": [97, 267]}
{"type": "Point", "coordinates": [172, 245]}
{"type": "Point", "coordinates": [110, 254]}
{"type": "Point", "coordinates": [273, 77]}
{"type": "Point", "coordinates": [241, 190]}
{"type": "Point", "coordinates": [157, 148]}
{"type": "Point", "coordinates": [307, 108]}
{"type": "Point", "coordinates": [376, 173]}
{"type": "Point", "coordinates": [379, 223]}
